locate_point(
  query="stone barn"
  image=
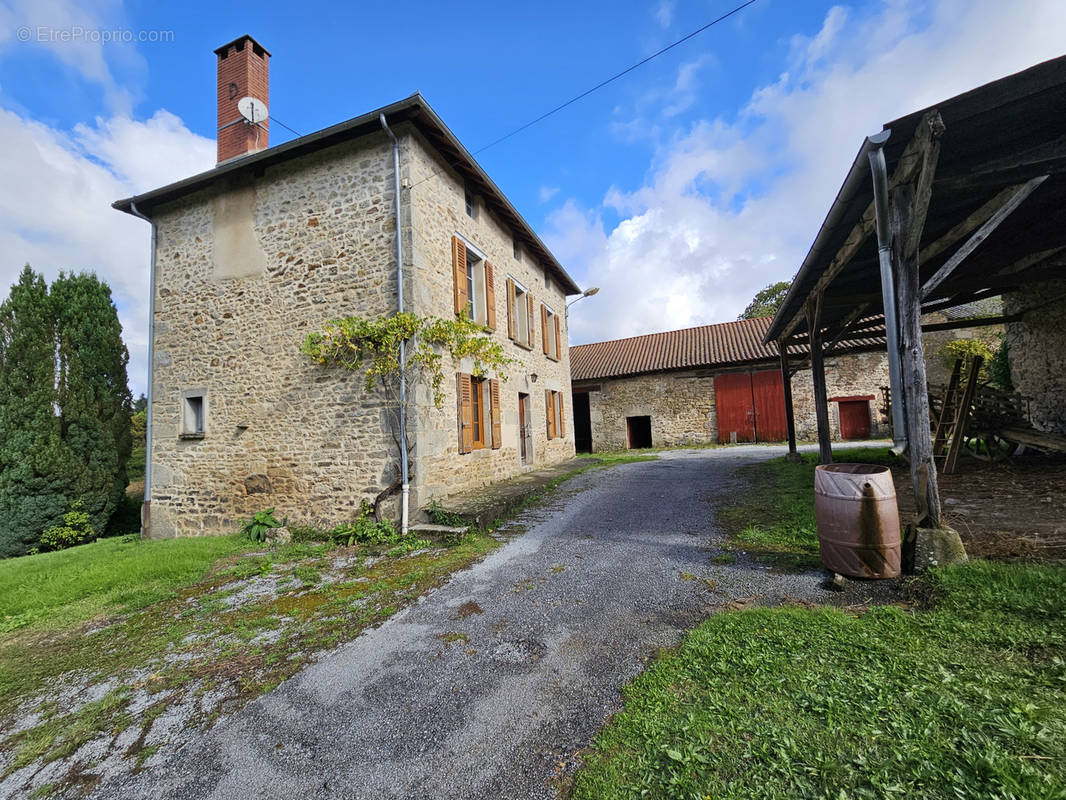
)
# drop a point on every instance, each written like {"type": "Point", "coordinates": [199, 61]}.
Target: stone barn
{"type": "Point", "coordinates": [716, 384]}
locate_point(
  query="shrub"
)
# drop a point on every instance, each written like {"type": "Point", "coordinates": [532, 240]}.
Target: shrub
{"type": "Point", "coordinates": [966, 349]}
{"type": "Point", "coordinates": [366, 531]}
{"type": "Point", "coordinates": [999, 366]}
{"type": "Point", "coordinates": [262, 521]}
{"type": "Point", "coordinates": [74, 530]}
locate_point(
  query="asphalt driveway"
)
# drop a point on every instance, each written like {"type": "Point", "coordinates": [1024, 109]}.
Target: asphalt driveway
{"type": "Point", "coordinates": [489, 685]}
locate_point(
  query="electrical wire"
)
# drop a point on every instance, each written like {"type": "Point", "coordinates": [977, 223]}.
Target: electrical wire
{"type": "Point", "coordinates": [286, 127]}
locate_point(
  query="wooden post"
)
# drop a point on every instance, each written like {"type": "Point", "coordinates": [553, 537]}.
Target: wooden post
{"type": "Point", "coordinates": [786, 384]}
{"type": "Point", "coordinates": [908, 208]}
{"type": "Point", "coordinates": [821, 397]}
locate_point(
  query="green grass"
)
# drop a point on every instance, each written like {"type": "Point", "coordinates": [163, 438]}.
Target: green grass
{"type": "Point", "coordinates": [57, 590]}
{"type": "Point", "coordinates": [776, 518]}
{"type": "Point", "coordinates": [964, 700]}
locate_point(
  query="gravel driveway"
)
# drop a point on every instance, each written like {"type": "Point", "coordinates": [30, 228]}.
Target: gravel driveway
{"type": "Point", "coordinates": [489, 685]}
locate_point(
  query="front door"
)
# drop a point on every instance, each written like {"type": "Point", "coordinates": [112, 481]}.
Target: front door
{"type": "Point", "coordinates": [525, 435]}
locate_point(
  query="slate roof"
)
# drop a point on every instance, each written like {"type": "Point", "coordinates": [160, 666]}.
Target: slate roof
{"type": "Point", "coordinates": [724, 344]}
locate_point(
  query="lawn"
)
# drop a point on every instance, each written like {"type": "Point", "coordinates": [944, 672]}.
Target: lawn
{"type": "Point", "coordinates": [775, 519]}
{"type": "Point", "coordinates": [961, 696]}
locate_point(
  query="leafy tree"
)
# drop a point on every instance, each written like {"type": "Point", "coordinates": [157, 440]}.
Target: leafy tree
{"type": "Point", "coordinates": [767, 301]}
{"type": "Point", "coordinates": [64, 406]}
{"type": "Point", "coordinates": [140, 404]}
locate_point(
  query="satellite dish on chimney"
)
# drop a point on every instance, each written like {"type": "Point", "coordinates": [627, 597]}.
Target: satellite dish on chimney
{"type": "Point", "coordinates": [252, 110]}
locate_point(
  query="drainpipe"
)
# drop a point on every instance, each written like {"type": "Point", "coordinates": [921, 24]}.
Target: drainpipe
{"type": "Point", "coordinates": [879, 174]}
{"type": "Point", "coordinates": [146, 506]}
{"type": "Point", "coordinates": [406, 486]}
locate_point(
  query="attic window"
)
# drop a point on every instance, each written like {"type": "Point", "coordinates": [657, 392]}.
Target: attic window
{"type": "Point", "coordinates": [515, 248]}
{"type": "Point", "coordinates": [471, 203]}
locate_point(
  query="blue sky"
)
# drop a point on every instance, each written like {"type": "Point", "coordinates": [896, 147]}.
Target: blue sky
{"type": "Point", "coordinates": [680, 190]}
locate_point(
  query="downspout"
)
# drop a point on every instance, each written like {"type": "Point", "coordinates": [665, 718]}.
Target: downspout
{"type": "Point", "coordinates": [146, 506]}
{"type": "Point", "coordinates": [406, 485]}
{"type": "Point", "coordinates": [879, 174]}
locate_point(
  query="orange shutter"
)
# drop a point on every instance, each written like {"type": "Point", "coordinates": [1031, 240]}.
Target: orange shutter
{"type": "Point", "coordinates": [530, 327]}
{"type": "Point", "coordinates": [512, 311]}
{"type": "Point", "coordinates": [465, 404]}
{"type": "Point", "coordinates": [562, 413]}
{"type": "Point", "coordinates": [459, 275]}
{"type": "Point", "coordinates": [558, 339]}
{"type": "Point", "coordinates": [490, 297]}
{"type": "Point", "coordinates": [544, 328]}
{"type": "Point", "coordinates": [497, 422]}
{"type": "Point", "coordinates": [549, 412]}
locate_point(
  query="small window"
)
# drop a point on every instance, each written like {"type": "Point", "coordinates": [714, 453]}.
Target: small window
{"type": "Point", "coordinates": [547, 279]}
{"type": "Point", "coordinates": [550, 333]}
{"type": "Point", "coordinates": [475, 287]}
{"type": "Point", "coordinates": [193, 415]}
{"type": "Point", "coordinates": [519, 312]}
{"type": "Point", "coordinates": [477, 398]}
{"type": "Point", "coordinates": [471, 203]}
{"type": "Point", "coordinates": [516, 249]}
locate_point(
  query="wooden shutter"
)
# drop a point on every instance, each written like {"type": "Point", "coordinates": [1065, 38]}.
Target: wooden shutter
{"type": "Point", "coordinates": [512, 311]}
{"type": "Point", "coordinates": [561, 415]}
{"type": "Point", "coordinates": [497, 422]}
{"type": "Point", "coordinates": [544, 328]}
{"type": "Point", "coordinates": [459, 275]}
{"type": "Point", "coordinates": [490, 297]}
{"type": "Point", "coordinates": [558, 339]}
{"type": "Point", "coordinates": [530, 327]}
{"type": "Point", "coordinates": [465, 407]}
{"type": "Point", "coordinates": [549, 412]}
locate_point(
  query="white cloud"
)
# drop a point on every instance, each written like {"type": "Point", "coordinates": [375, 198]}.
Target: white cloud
{"type": "Point", "coordinates": [732, 204]}
{"type": "Point", "coordinates": [546, 193]}
{"type": "Point", "coordinates": [664, 12]}
{"type": "Point", "coordinates": [56, 211]}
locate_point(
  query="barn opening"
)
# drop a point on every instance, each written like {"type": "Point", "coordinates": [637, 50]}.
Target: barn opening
{"type": "Point", "coordinates": [582, 423]}
{"type": "Point", "coordinates": [639, 432]}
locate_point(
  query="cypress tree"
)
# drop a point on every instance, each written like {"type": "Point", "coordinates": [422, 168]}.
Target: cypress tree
{"type": "Point", "coordinates": [92, 394]}
{"type": "Point", "coordinates": [33, 487]}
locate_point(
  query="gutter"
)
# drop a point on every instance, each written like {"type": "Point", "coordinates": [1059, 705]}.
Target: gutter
{"type": "Point", "coordinates": [146, 505]}
{"type": "Point", "coordinates": [405, 482]}
{"type": "Point", "coordinates": [874, 147]}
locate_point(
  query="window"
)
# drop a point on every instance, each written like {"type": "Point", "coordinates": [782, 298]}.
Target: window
{"type": "Point", "coordinates": [554, 415]}
{"type": "Point", "coordinates": [547, 279]}
{"type": "Point", "coordinates": [193, 414]}
{"type": "Point", "coordinates": [474, 284]}
{"type": "Point", "coordinates": [516, 250]}
{"type": "Point", "coordinates": [519, 316]}
{"type": "Point", "coordinates": [471, 203]}
{"type": "Point", "coordinates": [549, 332]}
{"type": "Point", "coordinates": [478, 413]}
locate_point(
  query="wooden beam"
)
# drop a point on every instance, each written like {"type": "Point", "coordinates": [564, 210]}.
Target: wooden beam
{"type": "Point", "coordinates": [931, 127]}
{"type": "Point", "coordinates": [1005, 210]}
{"type": "Point", "coordinates": [786, 383]}
{"type": "Point", "coordinates": [821, 396]}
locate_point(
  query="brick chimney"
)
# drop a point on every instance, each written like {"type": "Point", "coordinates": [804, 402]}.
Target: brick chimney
{"type": "Point", "coordinates": [243, 71]}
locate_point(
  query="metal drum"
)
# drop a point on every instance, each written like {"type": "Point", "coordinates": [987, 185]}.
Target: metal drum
{"type": "Point", "coordinates": [858, 520]}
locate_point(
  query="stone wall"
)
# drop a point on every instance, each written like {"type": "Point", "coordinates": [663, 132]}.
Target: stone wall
{"type": "Point", "coordinates": [1038, 351]}
{"type": "Point", "coordinates": [937, 369]}
{"type": "Point", "coordinates": [681, 404]}
{"type": "Point", "coordinates": [438, 211]}
{"type": "Point", "coordinates": [243, 274]}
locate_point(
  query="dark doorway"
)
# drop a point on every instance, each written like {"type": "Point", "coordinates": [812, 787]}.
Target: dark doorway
{"type": "Point", "coordinates": [582, 423]}
{"type": "Point", "coordinates": [639, 429]}
{"type": "Point", "coordinates": [525, 434]}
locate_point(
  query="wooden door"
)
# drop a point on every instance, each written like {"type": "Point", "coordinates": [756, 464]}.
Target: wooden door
{"type": "Point", "coordinates": [525, 436]}
{"type": "Point", "coordinates": [734, 406]}
{"type": "Point", "coordinates": [854, 419]}
{"type": "Point", "coordinates": [768, 397]}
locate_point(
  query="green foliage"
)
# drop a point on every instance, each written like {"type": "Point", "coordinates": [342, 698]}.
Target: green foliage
{"type": "Point", "coordinates": [962, 701]}
{"type": "Point", "coordinates": [372, 346]}
{"type": "Point", "coordinates": [439, 515]}
{"type": "Point", "coordinates": [966, 349]}
{"type": "Point", "coordinates": [64, 406]}
{"type": "Point", "coordinates": [139, 445]}
{"type": "Point", "coordinates": [999, 366]}
{"type": "Point", "coordinates": [767, 301]}
{"type": "Point", "coordinates": [74, 530]}
{"type": "Point", "coordinates": [262, 521]}
{"type": "Point", "coordinates": [365, 530]}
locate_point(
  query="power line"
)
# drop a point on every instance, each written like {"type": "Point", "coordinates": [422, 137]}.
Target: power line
{"type": "Point", "coordinates": [290, 130]}
{"type": "Point", "coordinates": [615, 77]}
{"type": "Point", "coordinates": [599, 85]}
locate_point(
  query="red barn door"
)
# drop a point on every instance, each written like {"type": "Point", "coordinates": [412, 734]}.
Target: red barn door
{"type": "Point", "coordinates": [733, 402]}
{"type": "Point", "coordinates": [854, 419]}
{"type": "Point", "coordinates": [769, 396]}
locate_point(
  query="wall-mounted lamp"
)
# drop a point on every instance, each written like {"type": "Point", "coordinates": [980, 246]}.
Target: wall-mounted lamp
{"type": "Point", "coordinates": [533, 377]}
{"type": "Point", "coordinates": [586, 293]}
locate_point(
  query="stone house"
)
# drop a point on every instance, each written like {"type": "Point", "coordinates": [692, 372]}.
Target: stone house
{"type": "Point", "coordinates": [716, 383]}
{"type": "Point", "coordinates": [267, 247]}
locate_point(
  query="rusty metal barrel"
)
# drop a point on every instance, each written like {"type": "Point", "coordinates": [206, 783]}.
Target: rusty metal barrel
{"type": "Point", "coordinates": [858, 520]}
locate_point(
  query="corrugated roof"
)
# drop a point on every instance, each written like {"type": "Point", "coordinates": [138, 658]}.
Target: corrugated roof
{"type": "Point", "coordinates": [724, 344]}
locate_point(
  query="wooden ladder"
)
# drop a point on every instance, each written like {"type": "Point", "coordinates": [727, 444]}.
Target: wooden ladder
{"type": "Point", "coordinates": [955, 414]}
